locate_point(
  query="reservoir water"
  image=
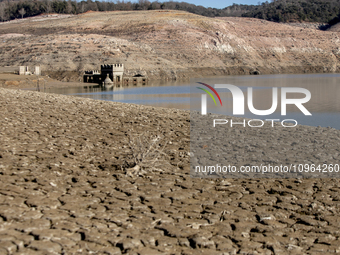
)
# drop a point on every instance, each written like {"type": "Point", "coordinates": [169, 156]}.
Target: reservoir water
{"type": "Point", "coordinates": [324, 88]}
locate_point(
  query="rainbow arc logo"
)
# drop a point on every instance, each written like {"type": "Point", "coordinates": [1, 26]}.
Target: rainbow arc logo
{"type": "Point", "coordinates": [209, 93]}
{"type": "Point", "coordinates": [204, 97]}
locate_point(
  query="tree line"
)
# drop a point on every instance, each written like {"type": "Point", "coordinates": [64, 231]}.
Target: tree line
{"type": "Point", "coordinates": [324, 11]}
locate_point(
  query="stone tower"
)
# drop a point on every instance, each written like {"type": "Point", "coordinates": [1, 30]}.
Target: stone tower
{"type": "Point", "coordinates": [114, 72]}
{"type": "Point", "coordinates": [118, 70]}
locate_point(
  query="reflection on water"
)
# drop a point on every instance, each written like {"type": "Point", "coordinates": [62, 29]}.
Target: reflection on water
{"type": "Point", "coordinates": [171, 94]}
{"type": "Point", "coordinates": [324, 104]}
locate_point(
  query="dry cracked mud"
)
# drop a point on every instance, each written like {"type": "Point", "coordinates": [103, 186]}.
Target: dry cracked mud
{"type": "Point", "coordinates": [65, 188]}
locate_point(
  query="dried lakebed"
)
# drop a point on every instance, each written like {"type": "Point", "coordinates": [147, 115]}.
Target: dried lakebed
{"type": "Point", "coordinates": [263, 149]}
{"type": "Point", "coordinates": [66, 186]}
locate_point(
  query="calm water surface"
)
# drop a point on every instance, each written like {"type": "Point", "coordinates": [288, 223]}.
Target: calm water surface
{"type": "Point", "coordinates": [324, 104]}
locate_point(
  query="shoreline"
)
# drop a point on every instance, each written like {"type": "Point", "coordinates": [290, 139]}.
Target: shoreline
{"type": "Point", "coordinates": [194, 72]}
{"type": "Point", "coordinates": [14, 81]}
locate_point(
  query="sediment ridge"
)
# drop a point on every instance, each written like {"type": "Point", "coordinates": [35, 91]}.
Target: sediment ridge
{"type": "Point", "coordinates": [69, 184]}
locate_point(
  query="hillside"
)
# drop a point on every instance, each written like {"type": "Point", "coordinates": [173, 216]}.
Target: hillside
{"type": "Point", "coordinates": [166, 44]}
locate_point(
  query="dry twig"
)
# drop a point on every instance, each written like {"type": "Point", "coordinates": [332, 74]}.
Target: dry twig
{"type": "Point", "coordinates": [147, 152]}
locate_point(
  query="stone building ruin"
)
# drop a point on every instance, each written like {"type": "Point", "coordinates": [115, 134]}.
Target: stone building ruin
{"type": "Point", "coordinates": [25, 70]}
{"type": "Point", "coordinates": [114, 72]}
{"type": "Point", "coordinates": [111, 73]}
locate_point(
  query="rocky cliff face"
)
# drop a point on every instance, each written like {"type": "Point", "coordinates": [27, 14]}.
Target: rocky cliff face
{"type": "Point", "coordinates": [167, 45]}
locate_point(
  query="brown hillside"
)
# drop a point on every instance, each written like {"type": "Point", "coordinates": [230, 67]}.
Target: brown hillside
{"type": "Point", "coordinates": [167, 44]}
